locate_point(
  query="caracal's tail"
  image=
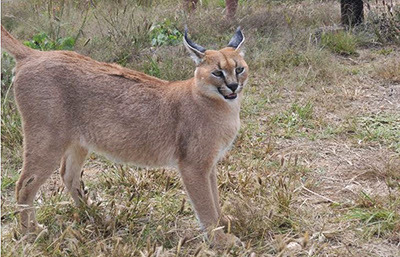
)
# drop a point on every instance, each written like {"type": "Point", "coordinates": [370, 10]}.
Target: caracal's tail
{"type": "Point", "coordinates": [13, 46]}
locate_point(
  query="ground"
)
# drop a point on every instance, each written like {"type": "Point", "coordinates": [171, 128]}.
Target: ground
{"type": "Point", "coordinates": [315, 170]}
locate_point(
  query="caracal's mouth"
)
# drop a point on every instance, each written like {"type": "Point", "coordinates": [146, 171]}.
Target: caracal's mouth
{"type": "Point", "coordinates": [229, 97]}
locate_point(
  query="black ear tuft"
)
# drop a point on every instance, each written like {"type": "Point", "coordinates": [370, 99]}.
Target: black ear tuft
{"type": "Point", "coordinates": [237, 39]}
{"type": "Point", "coordinates": [196, 51]}
{"type": "Point", "coordinates": [192, 44]}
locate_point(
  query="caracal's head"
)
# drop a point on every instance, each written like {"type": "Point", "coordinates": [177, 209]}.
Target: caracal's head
{"type": "Point", "coordinates": [220, 74]}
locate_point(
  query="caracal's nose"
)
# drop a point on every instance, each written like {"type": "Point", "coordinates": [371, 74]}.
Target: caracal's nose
{"type": "Point", "coordinates": [233, 86]}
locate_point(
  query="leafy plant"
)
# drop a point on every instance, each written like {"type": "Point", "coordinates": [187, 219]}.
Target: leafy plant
{"type": "Point", "coordinates": [42, 42]}
{"type": "Point", "coordinates": [165, 33]}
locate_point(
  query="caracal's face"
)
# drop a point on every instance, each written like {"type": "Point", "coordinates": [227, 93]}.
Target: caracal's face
{"type": "Point", "coordinates": [222, 74]}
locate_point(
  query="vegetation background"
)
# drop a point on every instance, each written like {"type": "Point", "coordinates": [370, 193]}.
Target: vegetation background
{"type": "Point", "coordinates": [315, 170]}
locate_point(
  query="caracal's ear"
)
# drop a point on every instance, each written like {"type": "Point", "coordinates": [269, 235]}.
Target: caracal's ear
{"type": "Point", "coordinates": [196, 51]}
{"type": "Point", "coordinates": [237, 41]}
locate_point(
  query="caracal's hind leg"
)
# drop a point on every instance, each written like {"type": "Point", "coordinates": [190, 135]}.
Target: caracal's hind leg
{"type": "Point", "coordinates": [41, 158]}
{"type": "Point", "coordinates": [71, 166]}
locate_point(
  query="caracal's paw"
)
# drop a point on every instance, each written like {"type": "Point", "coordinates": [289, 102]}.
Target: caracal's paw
{"type": "Point", "coordinates": [39, 227]}
{"type": "Point", "coordinates": [88, 201]}
{"type": "Point", "coordinates": [223, 241]}
{"type": "Point", "coordinates": [84, 201]}
{"type": "Point", "coordinates": [227, 220]}
{"type": "Point", "coordinates": [31, 230]}
{"type": "Point", "coordinates": [36, 228]}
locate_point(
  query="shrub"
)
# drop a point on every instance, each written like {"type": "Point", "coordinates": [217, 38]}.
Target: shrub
{"type": "Point", "coordinates": [42, 42]}
{"type": "Point", "coordinates": [165, 33]}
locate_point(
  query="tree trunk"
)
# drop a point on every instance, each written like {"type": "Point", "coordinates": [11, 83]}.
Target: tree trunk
{"type": "Point", "coordinates": [352, 12]}
{"type": "Point", "coordinates": [231, 6]}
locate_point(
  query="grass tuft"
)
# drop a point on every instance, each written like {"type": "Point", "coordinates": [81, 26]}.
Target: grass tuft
{"type": "Point", "coordinates": [381, 128]}
{"type": "Point", "coordinates": [340, 42]}
{"type": "Point", "coordinates": [375, 221]}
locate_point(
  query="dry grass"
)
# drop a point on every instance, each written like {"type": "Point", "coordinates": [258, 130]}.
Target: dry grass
{"type": "Point", "coordinates": [390, 71]}
{"type": "Point", "coordinates": [313, 172]}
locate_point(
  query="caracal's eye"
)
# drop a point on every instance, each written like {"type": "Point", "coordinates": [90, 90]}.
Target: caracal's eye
{"type": "Point", "coordinates": [218, 73]}
{"type": "Point", "coordinates": [239, 70]}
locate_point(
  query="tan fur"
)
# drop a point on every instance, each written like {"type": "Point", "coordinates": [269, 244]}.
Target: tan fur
{"type": "Point", "coordinates": [71, 104]}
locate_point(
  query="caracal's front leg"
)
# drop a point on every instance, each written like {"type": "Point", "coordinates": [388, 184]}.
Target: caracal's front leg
{"type": "Point", "coordinates": [223, 220]}
{"type": "Point", "coordinates": [214, 189]}
{"type": "Point", "coordinates": [197, 181]}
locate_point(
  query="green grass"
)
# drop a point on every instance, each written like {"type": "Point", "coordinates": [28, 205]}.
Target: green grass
{"type": "Point", "coordinates": [384, 129]}
{"type": "Point", "coordinates": [305, 124]}
{"type": "Point", "coordinates": [11, 123]}
{"type": "Point", "coordinates": [375, 221]}
{"type": "Point", "coordinates": [295, 119]}
{"type": "Point", "coordinates": [8, 181]}
{"type": "Point", "coordinates": [340, 42]}
{"type": "Point", "coordinates": [152, 68]}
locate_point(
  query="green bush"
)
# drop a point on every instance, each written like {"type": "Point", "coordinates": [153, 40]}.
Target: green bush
{"type": "Point", "coordinates": [165, 33]}
{"type": "Point", "coordinates": [42, 42]}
